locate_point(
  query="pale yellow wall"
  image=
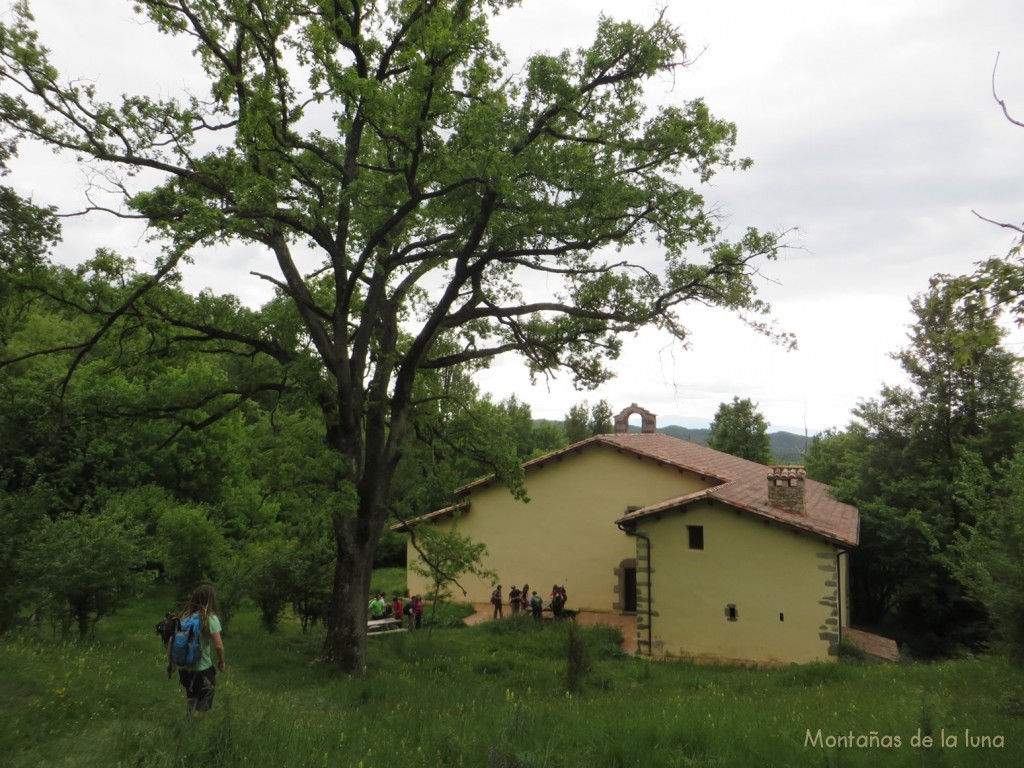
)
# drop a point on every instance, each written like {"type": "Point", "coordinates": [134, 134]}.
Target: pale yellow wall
{"type": "Point", "coordinates": [764, 570]}
{"type": "Point", "coordinates": [566, 533]}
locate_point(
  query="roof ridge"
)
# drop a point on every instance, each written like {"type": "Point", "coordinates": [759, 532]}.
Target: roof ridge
{"type": "Point", "coordinates": [741, 483]}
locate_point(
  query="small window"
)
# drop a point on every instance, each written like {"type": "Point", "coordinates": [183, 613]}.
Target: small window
{"type": "Point", "coordinates": [696, 536]}
{"type": "Point", "coordinates": [782, 617]}
{"type": "Point", "coordinates": [731, 613]}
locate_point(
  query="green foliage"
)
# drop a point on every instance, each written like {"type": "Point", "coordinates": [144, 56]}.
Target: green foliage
{"type": "Point", "coordinates": [107, 702]}
{"type": "Point", "coordinates": [849, 652]}
{"type": "Point", "coordinates": [27, 232]}
{"type": "Point", "coordinates": [462, 436]}
{"type": "Point", "coordinates": [390, 581]}
{"type": "Point", "coordinates": [311, 576]}
{"type": "Point", "coordinates": [739, 429]}
{"type": "Point", "coordinates": [582, 421]}
{"type": "Point", "coordinates": [192, 547]}
{"type": "Point", "coordinates": [990, 554]}
{"type": "Point", "coordinates": [519, 429]}
{"type": "Point", "coordinates": [576, 423]}
{"type": "Point", "coordinates": [123, 434]}
{"type": "Point", "coordinates": [578, 662]}
{"type": "Point", "coordinates": [601, 415]}
{"type": "Point", "coordinates": [917, 464]}
{"type": "Point", "coordinates": [81, 568]}
{"type": "Point", "coordinates": [146, 505]}
{"type": "Point", "coordinates": [439, 188]}
{"type": "Point", "coordinates": [20, 515]}
{"type": "Point", "coordinates": [786, 447]}
{"type": "Point", "coordinates": [444, 557]}
{"type": "Point", "coordinates": [271, 579]}
{"type": "Point", "coordinates": [232, 587]}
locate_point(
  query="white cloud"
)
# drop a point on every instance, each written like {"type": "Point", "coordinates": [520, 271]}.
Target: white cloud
{"type": "Point", "coordinates": [873, 130]}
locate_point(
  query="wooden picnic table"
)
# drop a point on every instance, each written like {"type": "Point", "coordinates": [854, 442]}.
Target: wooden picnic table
{"type": "Point", "coordinates": [384, 626]}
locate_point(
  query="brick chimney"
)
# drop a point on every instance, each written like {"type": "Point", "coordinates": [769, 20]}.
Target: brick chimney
{"type": "Point", "coordinates": [786, 488]}
{"type": "Point", "coordinates": [648, 420]}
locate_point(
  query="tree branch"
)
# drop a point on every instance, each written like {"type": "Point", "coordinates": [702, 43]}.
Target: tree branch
{"type": "Point", "coordinates": [999, 101]}
{"type": "Point", "coordinates": [1004, 225]}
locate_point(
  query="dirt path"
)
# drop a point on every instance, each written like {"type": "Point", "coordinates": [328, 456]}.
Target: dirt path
{"type": "Point", "coordinates": [626, 623]}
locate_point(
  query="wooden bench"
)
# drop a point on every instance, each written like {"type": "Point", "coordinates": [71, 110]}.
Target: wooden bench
{"type": "Point", "coordinates": [384, 626]}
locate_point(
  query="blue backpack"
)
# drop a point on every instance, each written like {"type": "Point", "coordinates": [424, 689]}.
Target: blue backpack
{"type": "Point", "coordinates": [185, 650]}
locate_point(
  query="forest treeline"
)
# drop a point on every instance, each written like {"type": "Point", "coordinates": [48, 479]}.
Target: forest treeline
{"type": "Point", "coordinates": [128, 454]}
{"type": "Point", "coordinates": [935, 468]}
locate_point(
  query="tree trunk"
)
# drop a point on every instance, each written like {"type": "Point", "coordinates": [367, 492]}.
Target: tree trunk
{"type": "Point", "coordinates": [356, 535]}
{"type": "Point", "coordinates": [81, 614]}
{"type": "Point", "coordinates": [356, 538]}
{"type": "Point", "coordinates": [345, 644]}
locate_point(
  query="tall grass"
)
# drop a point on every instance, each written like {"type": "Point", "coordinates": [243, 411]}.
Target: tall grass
{"type": "Point", "coordinates": [492, 695]}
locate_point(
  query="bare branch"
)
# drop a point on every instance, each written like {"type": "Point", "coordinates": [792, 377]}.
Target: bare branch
{"type": "Point", "coordinates": [1014, 227]}
{"type": "Point", "coordinates": [999, 101]}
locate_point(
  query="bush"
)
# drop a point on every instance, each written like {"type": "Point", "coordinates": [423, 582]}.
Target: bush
{"type": "Point", "coordinates": [578, 657]}
{"type": "Point", "coordinates": [192, 547]}
{"type": "Point", "coordinates": [85, 567]}
{"type": "Point", "coordinates": [847, 651]}
{"type": "Point", "coordinates": [271, 581]}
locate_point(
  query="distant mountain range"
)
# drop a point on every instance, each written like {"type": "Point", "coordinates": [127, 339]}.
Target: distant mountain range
{"type": "Point", "coordinates": [787, 447]}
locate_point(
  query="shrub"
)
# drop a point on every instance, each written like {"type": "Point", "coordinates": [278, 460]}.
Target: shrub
{"type": "Point", "coordinates": [847, 651]}
{"type": "Point", "coordinates": [271, 579]}
{"type": "Point", "coordinates": [579, 662]}
{"type": "Point", "coordinates": [85, 567]}
{"type": "Point", "coordinates": [192, 546]}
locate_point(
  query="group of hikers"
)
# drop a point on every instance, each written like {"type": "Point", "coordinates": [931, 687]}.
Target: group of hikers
{"type": "Point", "coordinates": [397, 608]}
{"type": "Point", "coordinates": [522, 600]}
{"type": "Point", "coordinates": [192, 637]}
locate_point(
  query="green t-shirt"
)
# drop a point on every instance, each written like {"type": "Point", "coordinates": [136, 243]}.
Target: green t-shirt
{"type": "Point", "coordinates": [206, 645]}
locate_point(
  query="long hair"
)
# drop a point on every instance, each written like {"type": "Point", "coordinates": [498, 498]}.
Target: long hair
{"type": "Point", "coordinates": [203, 602]}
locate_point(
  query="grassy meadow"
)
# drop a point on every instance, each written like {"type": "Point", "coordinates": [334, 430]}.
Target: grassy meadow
{"type": "Point", "coordinates": [492, 695]}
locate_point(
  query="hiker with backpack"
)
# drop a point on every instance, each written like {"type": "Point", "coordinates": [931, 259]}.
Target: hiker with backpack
{"type": "Point", "coordinates": [515, 598]}
{"type": "Point", "coordinates": [536, 606]}
{"type": "Point", "coordinates": [191, 650]}
{"type": "Point", "coordinates": [558, 600]}
{"type": "Point", "coordinates": [496, 602]}
{"type": "Point", "coordinates": [166, 627]}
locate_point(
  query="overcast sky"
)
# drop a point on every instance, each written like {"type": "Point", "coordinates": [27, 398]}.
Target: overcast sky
{"type": "Point", "coordinates": [873, 133]}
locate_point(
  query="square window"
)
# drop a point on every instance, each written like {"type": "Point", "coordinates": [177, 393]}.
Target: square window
{"type": "Point", "coordinates": [696, 533]}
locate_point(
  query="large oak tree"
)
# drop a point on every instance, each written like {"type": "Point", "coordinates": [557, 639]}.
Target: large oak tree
{"type": "Point", "coordinates": [460, 208]}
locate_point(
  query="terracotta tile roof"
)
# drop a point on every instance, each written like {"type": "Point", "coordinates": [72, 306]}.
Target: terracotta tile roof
{"type": "Point", "coordinates": [742, 484]}
{"type": "Point", "coordinates": [462, 506]}
{"type": "Point", "coordinates": [737, 482]}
